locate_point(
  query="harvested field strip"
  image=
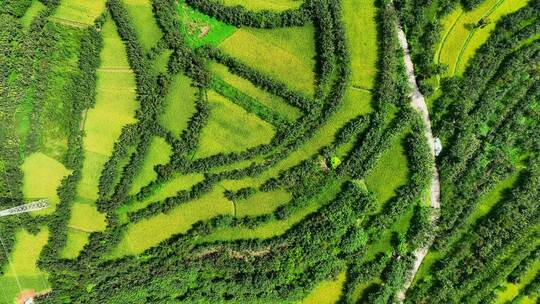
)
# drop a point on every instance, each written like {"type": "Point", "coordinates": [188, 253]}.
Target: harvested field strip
{"type": "Point", "coordinates": [42, 176]}
{"type": "Point", "coordinates": [273, 5]}
{"type": "Point", "coordinates": [359, 19]}
{"type": "Point", "coordinates": [179, 105]}
{"type": "Point", "coordinates": [79, 12]}
{"type": "Point", "coordinates": [150, 232]}
{"type": "Point", "coordinates": [230, 128]}
{"type": "Point", "coordinates": [144, 22]}
{"type": "Point", "coordinates": [284, 53]}
{"type": "Point", "coordinates": [274, 102]}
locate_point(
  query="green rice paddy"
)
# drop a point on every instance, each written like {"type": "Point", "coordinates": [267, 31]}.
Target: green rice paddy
{"type": "Point", "coordinates": [150, 232]}
{"type": "Point", "coordinates": [463, 33]}
{"type": "Point", "coordinates": [327, 292]}
{"type": "Point", "coordinates": [159, 153]}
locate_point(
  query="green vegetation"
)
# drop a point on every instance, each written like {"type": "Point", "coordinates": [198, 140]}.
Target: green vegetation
{"type": "Point", "coordinates": [231, 151]}
{"type": "Point", "coordinates": [326, 292]}
{"type": "Point", "coordinates": [159, 153]}
{"type": "Point", "coordinates": [389, 173]}
{"type": "Point", "coordinates": [265, 98]}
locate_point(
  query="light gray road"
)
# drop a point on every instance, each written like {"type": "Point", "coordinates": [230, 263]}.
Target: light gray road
{"type": "Point", "coordinates": [419, 104]}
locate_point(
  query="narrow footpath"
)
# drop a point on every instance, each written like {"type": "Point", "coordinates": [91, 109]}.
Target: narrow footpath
{"type": "Point", "coordinates": [419, 104]}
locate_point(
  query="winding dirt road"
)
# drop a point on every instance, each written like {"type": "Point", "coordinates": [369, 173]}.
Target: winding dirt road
{"type": "Point", "coordinates": [419, 104]}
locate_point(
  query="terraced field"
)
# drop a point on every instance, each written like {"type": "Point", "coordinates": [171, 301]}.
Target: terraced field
{"type": "Point", "coordinates": [465, 31]}
{"type": "Point", "coordinates": [205, 151]}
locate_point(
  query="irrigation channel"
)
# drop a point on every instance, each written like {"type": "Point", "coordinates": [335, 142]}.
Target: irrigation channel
{"type": "Point", "coordinates": [419, 104]}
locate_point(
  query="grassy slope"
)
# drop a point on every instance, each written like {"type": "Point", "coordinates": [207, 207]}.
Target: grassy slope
{"type": "Point", "coordinates": [361, 29]}
{"type": "Point", "coordinates": [22, 268]}
{"type": "Point", "coordinates": [274, 5]}
{"type": "Point", "coordinates": [140, 12]}
{"type": "Point", "coordinates": [231, 129]}
{"type": "Point", "coordinates": [42, 176]}
{"type": "Point", "coordinates": [179, 105]}
{"type": "Point", "coordinates": [116, 105]}
{"type": "Point", "coordinates": [283, 53]}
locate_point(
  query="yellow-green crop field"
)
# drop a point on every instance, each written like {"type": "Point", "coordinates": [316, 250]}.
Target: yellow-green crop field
{"type": "Point", "coordinates": [274, 5]}
{"type": "Point", "coordinates": [359, 18]}
{"type": "Point", "coordinates": [287, 54]}
{"type": "Point", "coordinates": [231, 128]}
